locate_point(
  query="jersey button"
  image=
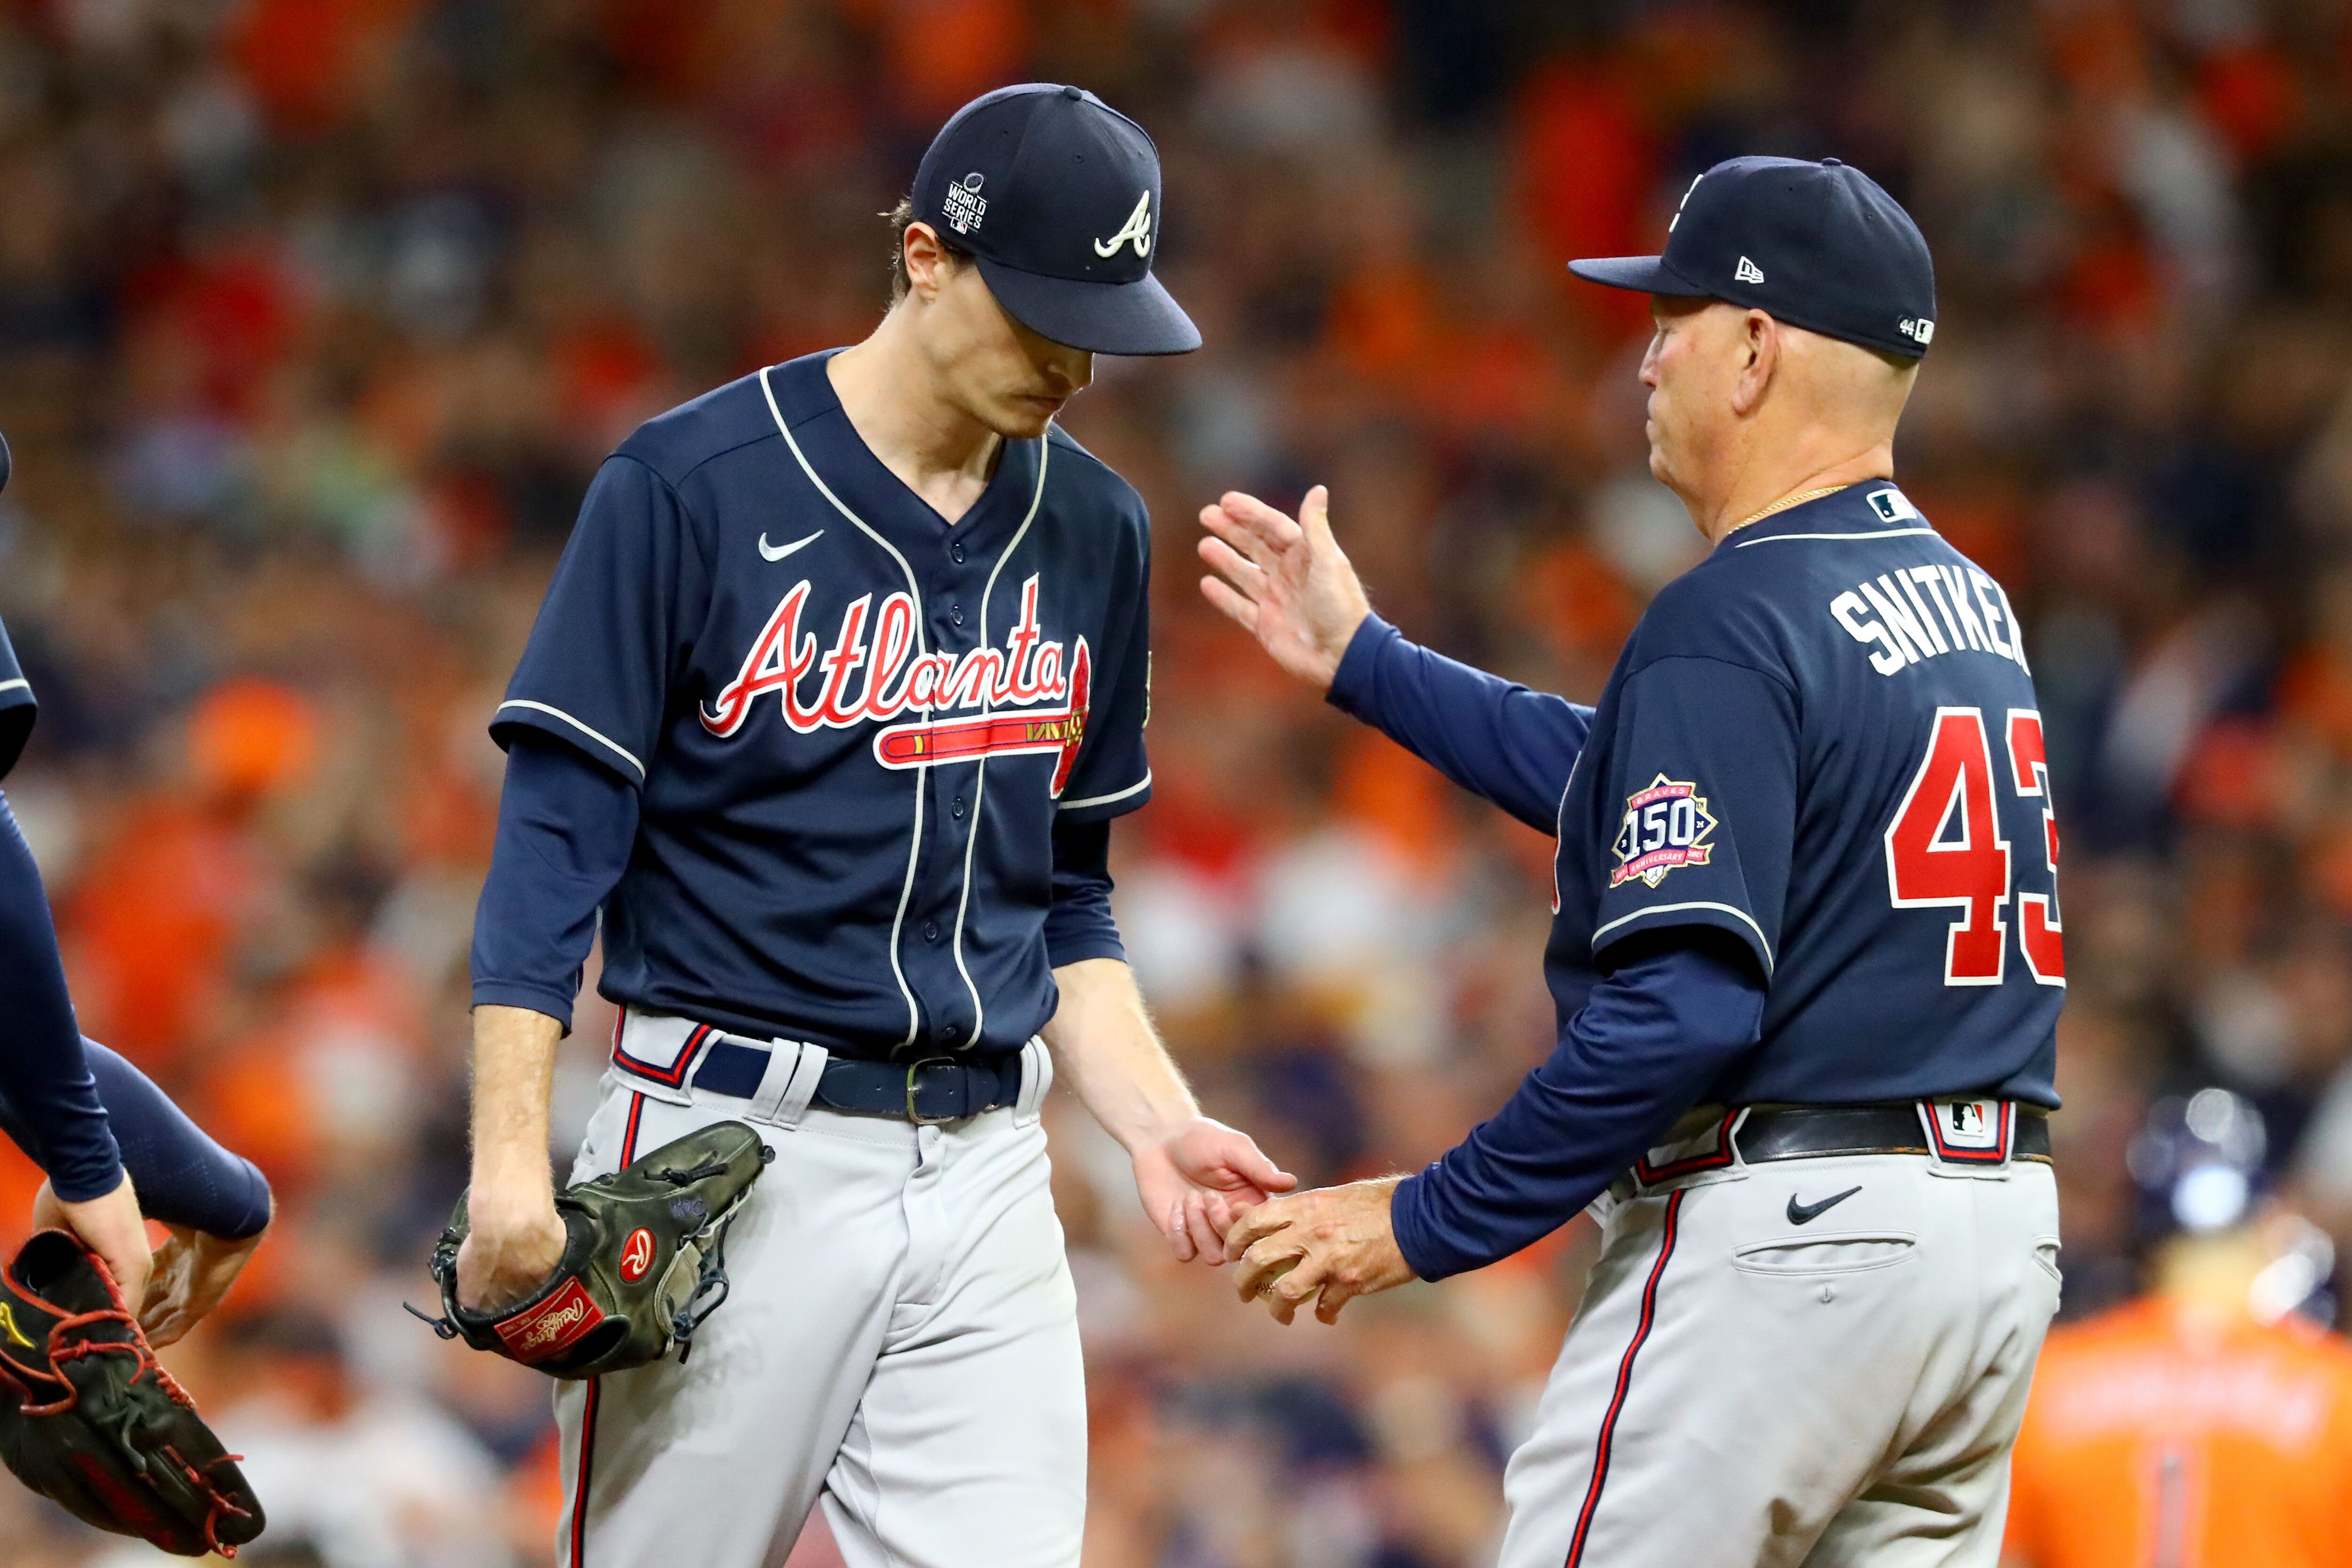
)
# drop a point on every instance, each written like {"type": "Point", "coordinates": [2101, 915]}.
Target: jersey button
{"type": "Point", "coordinates": [955, 613]}
{"type": "Point", "coordinates": [930, 930]}
{"type": "Point", "coordinates": [958, 807]}
{"type": "Point", "coordinates": [956, 552]}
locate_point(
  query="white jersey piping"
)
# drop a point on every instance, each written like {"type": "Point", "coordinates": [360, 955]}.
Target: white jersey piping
{"type": "Point", "coordinates": [980, 780]}
{"type": "Point", "coordinates": [597, 736]}
{"type": "Point", "coordinates": [1141, 784]}
{"type": "Point", "coordinates": [922, 771]}
{"type": "Point", "coordinates": [1739, 913]}
{"type": "Point", "coordinates": [1865, 534]}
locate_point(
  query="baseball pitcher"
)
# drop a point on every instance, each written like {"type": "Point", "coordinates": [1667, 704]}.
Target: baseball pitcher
{"type": "Point", "coordinates": [839, 684]}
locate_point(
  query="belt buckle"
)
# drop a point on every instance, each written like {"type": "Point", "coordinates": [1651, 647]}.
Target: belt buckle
{"type": "Point", "coordinates": [914, 1082]}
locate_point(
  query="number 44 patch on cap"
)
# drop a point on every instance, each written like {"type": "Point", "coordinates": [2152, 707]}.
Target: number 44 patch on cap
{"type": "Point", "coordinates": [1667, 827]}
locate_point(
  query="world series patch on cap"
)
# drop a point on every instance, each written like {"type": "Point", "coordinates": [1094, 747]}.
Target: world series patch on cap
{"type": "Point", "coordinates": [1819, 245]}
{"type": "Point", "coordinates": [1056, 195]}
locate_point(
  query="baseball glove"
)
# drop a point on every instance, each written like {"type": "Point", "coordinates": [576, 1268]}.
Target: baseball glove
{"type": "Point", "coordinates": [643, 1261]}
{"type": "Point", "coordinates": [90, 1419]}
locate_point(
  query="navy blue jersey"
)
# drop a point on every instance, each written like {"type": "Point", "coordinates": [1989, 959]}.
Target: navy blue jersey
{"type": "Point", "coordinates": [1823, 740]}
{"type": "Point", "coordinates": [16, 709]}
{"type": "Point", "coordinates": [852, 728]}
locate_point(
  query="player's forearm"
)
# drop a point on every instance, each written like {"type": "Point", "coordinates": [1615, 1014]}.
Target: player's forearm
{"type": "Point", "coordinates": [566, 825]}
{"type": "Point", "coordinates": [1494, 737]}
{"type": "Point", "coordinates": [44, 1079]}
{"type": "Point", "coordinates": [1650, 1039]}
{"type": "Point", "coordinates": [1106, 1049]}
{"type": "Point", "coordinates": [514, 1073]}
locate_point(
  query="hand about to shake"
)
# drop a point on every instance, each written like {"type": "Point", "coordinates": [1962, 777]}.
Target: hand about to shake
{"type": "Point", "coordinates": [1287, 583]}
{"type": "Point", "coordinates": [1328, 1246]}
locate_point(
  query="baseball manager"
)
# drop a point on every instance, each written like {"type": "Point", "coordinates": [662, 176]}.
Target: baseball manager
{"type": "Point", "coordinates": [1807, 953]}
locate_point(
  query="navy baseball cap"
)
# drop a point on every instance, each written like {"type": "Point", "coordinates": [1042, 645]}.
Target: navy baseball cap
{"type": "Point", "coordinates": [1056, 195]}
{"type": "Point", "coordinates": [1819, 245]}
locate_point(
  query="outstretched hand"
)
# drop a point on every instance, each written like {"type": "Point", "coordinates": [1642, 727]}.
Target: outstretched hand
{"type": "Point", "coordinates": [1328, 1246]}
{"type": "Point", "coordinates": [1287, 583]}
{"type": "Point", "coordinates": [191, 1276]}
{"type": "Point", "coordinates": [1197, 1179]}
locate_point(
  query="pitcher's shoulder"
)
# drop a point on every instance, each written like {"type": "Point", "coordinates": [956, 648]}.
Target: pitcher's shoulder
{"type": "Point", "coordinates": [678, 440]}
{"type": "Point", "coordinates": [1087, 480]}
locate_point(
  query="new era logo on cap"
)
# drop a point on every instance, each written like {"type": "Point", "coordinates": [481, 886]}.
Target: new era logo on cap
{"type": "Point", "coordinates": [1847, 260]}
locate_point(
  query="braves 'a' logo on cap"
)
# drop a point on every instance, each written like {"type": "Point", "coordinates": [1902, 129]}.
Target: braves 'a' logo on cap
{"type": "Point", "coordinates": [964, 206]}
{"type": "Point", "coordinates": [1137, 230]}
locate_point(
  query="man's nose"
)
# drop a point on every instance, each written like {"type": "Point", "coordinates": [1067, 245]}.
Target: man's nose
{"type": "Point", "coordinates": [1071, 372]}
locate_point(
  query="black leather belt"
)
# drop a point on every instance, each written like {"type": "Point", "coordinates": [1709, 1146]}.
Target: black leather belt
{"type": "Point", "coordinates": [939, 1089]}
{"type": "Point", "coordinates": [1810, 1132]}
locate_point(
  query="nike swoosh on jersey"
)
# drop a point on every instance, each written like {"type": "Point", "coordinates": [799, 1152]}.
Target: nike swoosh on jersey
{"type": "Point", "coordinates": [1805, 1213]}
{"type": "Point", "coordinates": [778, 552]}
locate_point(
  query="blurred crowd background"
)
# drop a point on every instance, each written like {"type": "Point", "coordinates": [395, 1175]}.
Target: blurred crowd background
{"type": "Point", "coordinates": [317, 315]}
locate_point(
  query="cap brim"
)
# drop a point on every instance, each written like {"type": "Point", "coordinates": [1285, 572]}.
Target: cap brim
{"type": "Point", "coordinates": [1643, 274]}
{"type": "Point", "coordinates": [1138, 318]}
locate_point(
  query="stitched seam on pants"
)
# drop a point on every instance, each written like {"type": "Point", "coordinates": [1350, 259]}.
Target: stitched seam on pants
{"type": "Point", "coordinates": [1625, 1381]}
{"type": "Point", "coordinates": [579, 1553]}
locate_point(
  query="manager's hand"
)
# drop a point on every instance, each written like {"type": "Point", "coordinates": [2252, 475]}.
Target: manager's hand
{"type": "Point", "coordinates": [1287, 583]}
{"type": "Point", "coordinates": [1331, 1245]}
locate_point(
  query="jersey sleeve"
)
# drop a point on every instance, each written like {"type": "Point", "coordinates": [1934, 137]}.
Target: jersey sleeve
{"type": "Point", "coordinates": [1111, 775]}
{"type": "Point", "coordinates": [616, 625]}
{"type": "Point", "coordinates": [1492, 736]}
{"type": "Point", "coordinates": [1696, 799]}
{"type": "Point", "coordinates": [16, 707]}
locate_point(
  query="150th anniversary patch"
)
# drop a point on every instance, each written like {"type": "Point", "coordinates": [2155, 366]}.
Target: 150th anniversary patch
{"type": "Point", "coordinates": [1667, 827]}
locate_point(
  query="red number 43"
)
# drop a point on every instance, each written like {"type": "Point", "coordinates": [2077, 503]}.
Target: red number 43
{"type": "Point", "coordinates": [1944, 848]}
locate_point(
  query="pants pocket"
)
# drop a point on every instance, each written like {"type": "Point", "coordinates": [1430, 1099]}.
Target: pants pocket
{"type": "Point", "coordinates": [1846, 1253]}
{"type": "Point", "coordinates": [2045, 1253]}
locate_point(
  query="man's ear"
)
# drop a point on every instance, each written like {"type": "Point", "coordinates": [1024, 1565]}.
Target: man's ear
{"type": "Point", "coordinates": [926, 260]}
{"type": "Point", "coordinates": [1760, 359]}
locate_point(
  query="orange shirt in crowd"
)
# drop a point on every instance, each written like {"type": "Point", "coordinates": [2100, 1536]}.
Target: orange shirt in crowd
{"type": "Point", "coordinates": [2163, 1434]}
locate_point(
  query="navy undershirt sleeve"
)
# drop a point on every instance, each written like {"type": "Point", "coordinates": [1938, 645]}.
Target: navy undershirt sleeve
{"type": "Point", "coordinates": [1676, 1011]}
{"type": "Point", "coordinates": [566, 827]}
{"type": "Point", "coordinates": [181, 1176]}
{"type": "Point", "coordinates": [1494, 737]}
{"type": "Point", "coordinates": [1079, 923]}
{"type": "Point", "coordinates": [57, 1117]}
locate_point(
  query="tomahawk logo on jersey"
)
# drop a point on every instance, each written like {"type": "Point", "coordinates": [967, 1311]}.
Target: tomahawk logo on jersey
{"type": "Point", "coordinates": [853, 726]}
{"type": "Point", "coordinates": [1840, 653]}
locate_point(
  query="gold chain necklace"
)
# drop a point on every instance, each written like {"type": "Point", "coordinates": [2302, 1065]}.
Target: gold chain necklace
{"type": "Point", "coordinates": [1786, 502]}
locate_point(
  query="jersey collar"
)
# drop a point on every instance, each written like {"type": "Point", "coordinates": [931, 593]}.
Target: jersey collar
{"type": "Point", "coordinates": [804, 393]}
{"type": "Point", "coordinates": [1867, 509]}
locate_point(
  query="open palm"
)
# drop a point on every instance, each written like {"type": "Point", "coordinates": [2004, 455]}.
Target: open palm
{"type": "Point", "coordinates": [1286, 582]}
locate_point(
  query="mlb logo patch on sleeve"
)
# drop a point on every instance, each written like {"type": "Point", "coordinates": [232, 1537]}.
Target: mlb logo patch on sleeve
{"type": "Point", "coordinates": [1667, 827]}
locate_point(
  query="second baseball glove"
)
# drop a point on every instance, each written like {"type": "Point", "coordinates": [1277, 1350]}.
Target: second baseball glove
{"type": "Point", "coordinates": [643, 1261]}
{"type": "Point", "coordinates": [89, 1420]}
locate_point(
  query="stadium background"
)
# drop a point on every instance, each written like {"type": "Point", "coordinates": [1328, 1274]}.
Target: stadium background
{"type": "Point", "coordinates": [315, 316]}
